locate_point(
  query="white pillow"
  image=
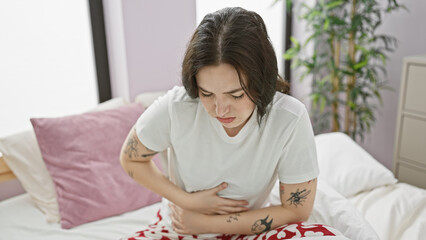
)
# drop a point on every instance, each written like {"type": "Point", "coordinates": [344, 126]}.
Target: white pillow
{"type": "Point", "coordinates": [22, 154]}
{"type": "Point", "coordinates": [347, 167]}
{"type": "Point", "coordinates": [110, 104]}
{"type": "Point", "coordinates": [148, 98]}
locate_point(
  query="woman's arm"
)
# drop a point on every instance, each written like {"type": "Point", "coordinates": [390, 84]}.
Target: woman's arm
{"type": "Point", "coordinates": [296, 205]}
{"type": "Point", "coordinates": [135, 159]}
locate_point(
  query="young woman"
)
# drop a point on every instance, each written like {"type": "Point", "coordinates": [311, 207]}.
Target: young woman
{"type": "Point", "coordinates": [230, 131]}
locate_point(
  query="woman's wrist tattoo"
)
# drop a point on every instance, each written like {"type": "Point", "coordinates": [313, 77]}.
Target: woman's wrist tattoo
{"type": "Point", "coordinates": [262, 225]}
{"type": "Point", "coordinates": [233, 217]}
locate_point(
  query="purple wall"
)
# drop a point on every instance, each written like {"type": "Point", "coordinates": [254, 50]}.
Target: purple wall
{"type": "Point", "coordinates": [155, 36]}
{"type": "Point", "coordinates": [156, 42]}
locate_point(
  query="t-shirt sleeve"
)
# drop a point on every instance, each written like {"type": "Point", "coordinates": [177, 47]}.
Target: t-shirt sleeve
{"type": "Point", "coordinates": [153, 126]}
{"type": "Point", "coordinates": [298, 162]}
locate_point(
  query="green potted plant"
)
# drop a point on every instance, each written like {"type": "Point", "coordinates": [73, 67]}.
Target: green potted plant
{"type": "Point", "coordinates": [347, 61]}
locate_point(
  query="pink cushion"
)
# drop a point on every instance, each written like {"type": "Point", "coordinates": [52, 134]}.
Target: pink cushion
{"type": "Point", "coordinates": [81, 153]}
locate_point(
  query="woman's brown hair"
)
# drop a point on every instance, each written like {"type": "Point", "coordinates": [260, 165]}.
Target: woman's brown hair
{"type": "Point", "coordinates": [237, 37]}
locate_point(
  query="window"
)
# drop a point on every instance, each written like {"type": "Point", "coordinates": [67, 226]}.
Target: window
{"type": "Point", "coordinates": [47, 63]}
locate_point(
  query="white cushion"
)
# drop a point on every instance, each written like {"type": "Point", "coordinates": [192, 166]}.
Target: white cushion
{"type": "Point", "coordinates": [148, 98]}
{"type": "Point", "coordinates": [110, 104]}
{"type": "Point", "coordinates": [347, 167]}
{"type": "Point", "coordinates": [22, 154]}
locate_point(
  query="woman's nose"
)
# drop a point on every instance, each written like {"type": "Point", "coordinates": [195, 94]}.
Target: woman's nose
{"type": "Point", "coordinates": [222, 108]}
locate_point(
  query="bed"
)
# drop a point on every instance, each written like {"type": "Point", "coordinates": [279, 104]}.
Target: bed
{"type": "Point", "coordinates": [356, 194]}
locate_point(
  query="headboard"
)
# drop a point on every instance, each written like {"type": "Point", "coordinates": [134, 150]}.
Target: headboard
{"type": "Point", "coordinates": [5, 173]}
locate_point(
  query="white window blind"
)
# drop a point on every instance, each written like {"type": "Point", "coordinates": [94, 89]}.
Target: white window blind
{"type": "Point", "coordinates": [47, 66]}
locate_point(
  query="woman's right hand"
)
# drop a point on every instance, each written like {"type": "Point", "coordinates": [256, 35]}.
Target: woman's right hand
{"type": "Point", "coordinates": [208, 202]}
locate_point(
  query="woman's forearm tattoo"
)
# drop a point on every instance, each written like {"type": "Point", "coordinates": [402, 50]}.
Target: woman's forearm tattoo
{"type": "Point", "coordinates": [298, 197]}
{"type": "Point", "coordinates": [261, 225]}
{"type": "Point", "coordinates": [233, 218]}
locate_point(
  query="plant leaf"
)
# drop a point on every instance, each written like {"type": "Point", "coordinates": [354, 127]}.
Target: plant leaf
{"type": "Point", "coordinates": [332, 5]}
{"type": "Point", "coordinates": [360, 65]}
{"type": "Point", "coordinates": [326, 24]}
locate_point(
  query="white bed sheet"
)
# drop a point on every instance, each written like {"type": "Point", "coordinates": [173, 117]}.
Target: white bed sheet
{"type": "Point", "coordinates": [396, 212]}
{"type": "Point", "coordinates": [20, 219]}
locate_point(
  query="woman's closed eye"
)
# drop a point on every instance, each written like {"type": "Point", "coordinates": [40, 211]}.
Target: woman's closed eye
{"type": "Point", "coordinates": [206, 94]}
{"type": "Point", "coordinates": [238, 97]}
{"type": "Point", "coordinates": [233, 96]}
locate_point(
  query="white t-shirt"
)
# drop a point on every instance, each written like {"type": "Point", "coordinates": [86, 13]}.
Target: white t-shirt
{"type": "Point", "coordinates": [201, 154]}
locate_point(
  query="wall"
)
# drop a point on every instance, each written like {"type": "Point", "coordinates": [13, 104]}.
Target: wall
{"type": "Point", "coordinates": [409, 29]}
{"type": "Point", "coordinates": [146, 43]}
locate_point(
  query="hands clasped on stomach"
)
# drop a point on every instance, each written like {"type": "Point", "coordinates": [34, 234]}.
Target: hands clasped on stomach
{"type": "Point", "coordinates": [190, 217]}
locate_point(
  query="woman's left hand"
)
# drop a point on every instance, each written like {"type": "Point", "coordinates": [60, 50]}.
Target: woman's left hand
{"type": "Point", "coordinates": [186, 221]}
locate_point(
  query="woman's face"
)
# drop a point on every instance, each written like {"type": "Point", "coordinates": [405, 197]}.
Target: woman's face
{"type": "Point", "coordinates": [223, 97]}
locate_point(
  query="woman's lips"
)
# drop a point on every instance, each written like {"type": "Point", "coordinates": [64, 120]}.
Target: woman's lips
{"type": "Point", "coordinates": [226, 120]}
